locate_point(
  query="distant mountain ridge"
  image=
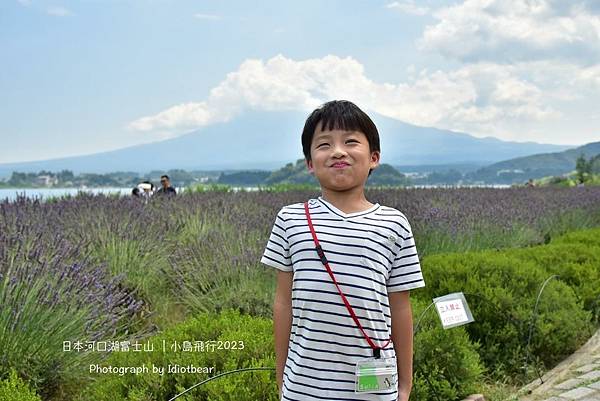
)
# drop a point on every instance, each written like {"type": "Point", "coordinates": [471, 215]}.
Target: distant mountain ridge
{"type": "Point", "coordinates": [269, 140]}
{"type": "Point", "coordinates": [535, 166]}
{"type": "Point", "coordinates": [297, 173]}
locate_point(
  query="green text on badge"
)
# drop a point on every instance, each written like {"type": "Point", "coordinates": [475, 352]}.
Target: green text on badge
{"type": "Point", "coordinates": [367, 382]}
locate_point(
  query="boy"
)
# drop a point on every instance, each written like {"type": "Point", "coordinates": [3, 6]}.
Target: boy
{"type": "Point", "coordinates": [325, 333]}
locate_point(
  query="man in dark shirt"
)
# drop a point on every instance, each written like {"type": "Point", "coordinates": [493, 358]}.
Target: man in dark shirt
{"type": "Point", "coordinates": [166, 189]}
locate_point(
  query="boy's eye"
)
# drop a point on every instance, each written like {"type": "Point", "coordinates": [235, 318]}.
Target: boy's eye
{"type": "Point", "coordinates": [322, 144]}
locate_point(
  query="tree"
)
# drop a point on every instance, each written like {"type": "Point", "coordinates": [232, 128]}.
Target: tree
{"type": "Point", "coordinates": [582, 167]}
{"type": "Point", "coordinates": [65, 175]}
{"type": "Point", "coordinates": [595, 164]}
{"type": "Point", "coordinates": [17, 178]}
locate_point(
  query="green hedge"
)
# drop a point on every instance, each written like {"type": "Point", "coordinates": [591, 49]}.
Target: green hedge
{"type": "Point", "coordinates": [576, 258]}
{"type": "Point", "coordinates": [501, 288]}
{"type": "Point", "coordinates": [446, 364]}
{"type": "Point", "coordinates": [256, 334]}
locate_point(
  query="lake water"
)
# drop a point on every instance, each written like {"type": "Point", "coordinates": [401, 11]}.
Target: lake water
{"type": "Point", "coordinates": [43, 193]}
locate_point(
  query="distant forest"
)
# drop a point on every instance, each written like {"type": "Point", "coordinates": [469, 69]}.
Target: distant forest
{"type": "Point", "coordinates": [290, 173]}
{"type": "Point", "coordinates": [293, 173]}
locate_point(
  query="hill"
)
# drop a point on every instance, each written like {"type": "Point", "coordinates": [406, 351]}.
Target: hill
{"type": "Point", "coordinates": [521, 169]}
{"type": "Point", "coordinates": [268, 140]}
{"type": "Point", "coordinates": [297, 173]}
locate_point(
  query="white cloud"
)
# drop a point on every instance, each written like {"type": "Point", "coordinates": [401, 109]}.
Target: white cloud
{"type": "Point", "coordinates": [180, 117]}
{"type": "Point", "coordinates": [483, 99]}
{"type": "Point", "coordinates": [210, 17]}
{"type": "Point", "coordinates": [408, 7]}
{"type": "Point", "coordinates": [25, 3]}
{"type": "Point", "coordinates": [278, 84]}
{"type": "Point", "coordinates": [517, 30]}
{"type": "Point", "coordinates": [57, 11]}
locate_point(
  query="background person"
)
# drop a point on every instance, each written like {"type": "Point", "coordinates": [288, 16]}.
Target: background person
{"type": "Point", "coordinates": [146, 190]}
{"type": "Point", "coordinates": [166, 188]}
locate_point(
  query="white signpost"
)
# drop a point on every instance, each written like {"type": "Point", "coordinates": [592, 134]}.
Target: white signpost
{"type": "Point", "coordinates": [453, 310]}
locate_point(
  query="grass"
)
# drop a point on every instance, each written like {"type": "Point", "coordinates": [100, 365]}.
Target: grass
{"type": "Point", "coordinates": [498, 391]}
{"type": "Point", "coordinates": [485, 236]}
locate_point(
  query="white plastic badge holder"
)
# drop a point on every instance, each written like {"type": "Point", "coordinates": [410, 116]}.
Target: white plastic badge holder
{"type": "Point", "coordinates": [453, 310]}
{"type": "Point", "coordinates": [373, 375]}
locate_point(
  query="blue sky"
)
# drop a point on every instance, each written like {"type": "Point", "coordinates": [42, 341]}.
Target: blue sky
{"type": "Point", "coordinates": [79, 77]}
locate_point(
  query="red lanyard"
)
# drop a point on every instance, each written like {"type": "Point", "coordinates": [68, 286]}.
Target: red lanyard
{"type": "Point", "coordinates": [376, 349]}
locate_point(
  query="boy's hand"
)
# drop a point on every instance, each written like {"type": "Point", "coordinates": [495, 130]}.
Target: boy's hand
{"type": "Point", "coordinates": [402, 396]}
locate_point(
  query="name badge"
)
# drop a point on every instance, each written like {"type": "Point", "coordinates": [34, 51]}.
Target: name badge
{"type": "Point", "coordinates": [373, 375]}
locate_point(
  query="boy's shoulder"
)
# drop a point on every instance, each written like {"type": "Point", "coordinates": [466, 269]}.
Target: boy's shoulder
{"type": "Point", "coordinates": [293, 209]}
{"type": "Point", "coordinates": [299, 206]}
{"type": "Point", "coordinates": [391, 213]}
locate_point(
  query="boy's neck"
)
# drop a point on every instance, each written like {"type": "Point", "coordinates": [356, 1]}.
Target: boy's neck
{"type": "Point", "coordinates": [347, 201]}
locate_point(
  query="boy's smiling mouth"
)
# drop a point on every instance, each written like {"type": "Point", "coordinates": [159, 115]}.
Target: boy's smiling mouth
{"type": "Point", "coordinates": [340, 165]}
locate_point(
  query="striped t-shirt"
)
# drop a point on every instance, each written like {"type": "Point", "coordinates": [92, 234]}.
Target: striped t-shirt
{"type": "Point", "coordinates": [370, 253]}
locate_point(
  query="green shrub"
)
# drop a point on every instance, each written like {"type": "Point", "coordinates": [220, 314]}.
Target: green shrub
{"type": "Point", "coordinates": [575, 257]}
{"type": "Point", "coordinates": [15, 389]}
{"type": "Point", "coordinates": [446, 363]}
{"type": "Point", "coordinates": [255, 333]}
{"type": "Point", "coordinates": [501, 289]}
{"type": "Point", "coordinates": [575, 263]}
{"type": "Point", "coordinates": [589, 237]}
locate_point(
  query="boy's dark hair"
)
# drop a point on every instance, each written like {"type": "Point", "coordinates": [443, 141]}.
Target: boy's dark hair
{"type": "Point", "coordinates": [164, 176]}
{"type": "Point", "coordinates": [340, 114]}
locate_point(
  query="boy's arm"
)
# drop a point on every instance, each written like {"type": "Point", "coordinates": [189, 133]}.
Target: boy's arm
{"type": "Point", "coordinates": [402, 336]}
{"type": "Point", "coordinates": [282, 322]}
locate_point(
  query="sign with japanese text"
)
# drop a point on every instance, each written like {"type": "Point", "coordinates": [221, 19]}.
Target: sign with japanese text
{"type": "Point", "coordinates": [453, 310]}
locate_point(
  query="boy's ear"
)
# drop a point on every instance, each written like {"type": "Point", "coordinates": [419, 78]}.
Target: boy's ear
{"type": "Point", "coordinates": [309, 165]}
{"type": "Point", "coordinates": [375, 158]}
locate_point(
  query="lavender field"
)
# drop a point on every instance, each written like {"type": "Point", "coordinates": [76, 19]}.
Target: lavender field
{"type": "Point", "coordinates": [98, 267]}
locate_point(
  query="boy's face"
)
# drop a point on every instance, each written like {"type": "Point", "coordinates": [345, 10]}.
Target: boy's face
{"type": "Point", "coordinates": [341, 159]}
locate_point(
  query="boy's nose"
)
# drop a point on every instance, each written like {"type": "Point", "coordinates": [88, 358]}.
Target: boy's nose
{"type": "Point", "coordinates": [338, 151]}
